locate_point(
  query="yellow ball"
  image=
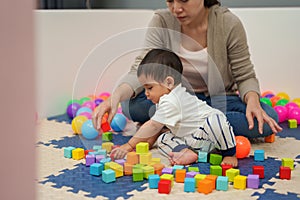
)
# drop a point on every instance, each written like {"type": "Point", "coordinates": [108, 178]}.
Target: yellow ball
{"type": "Point", "coordinates": [297, 101]}
{"type": "Point", "coordinates": [77, 123]}
{"type": "Point", "coordinates": [283, 95]}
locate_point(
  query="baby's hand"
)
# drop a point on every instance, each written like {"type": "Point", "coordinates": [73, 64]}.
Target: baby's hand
{"type": "Point", "coordinates": [121, 152]}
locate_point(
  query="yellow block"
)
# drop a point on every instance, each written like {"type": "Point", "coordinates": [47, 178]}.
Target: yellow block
{"type": "Point", "coordinates": [78, 154]}
{"type": "Point", "coordinates": [240, 182]}
{"type": "Point", "coordinates": [108, 146]}
{"type": "Point", "coordinates": [145, 158]}
{"type": "Point", "coordinates": [199, 177]}
{"type": "Point", "coordinates": [142, 147]}
{"type": "Point", "coordinates": [116, 167]}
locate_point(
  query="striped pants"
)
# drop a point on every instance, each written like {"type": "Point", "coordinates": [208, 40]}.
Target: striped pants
{"type": "Point", "coordinates": [215, 133]}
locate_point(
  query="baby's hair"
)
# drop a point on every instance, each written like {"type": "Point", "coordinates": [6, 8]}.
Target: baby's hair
{"type": "Point", "coordinates": [159, 63]}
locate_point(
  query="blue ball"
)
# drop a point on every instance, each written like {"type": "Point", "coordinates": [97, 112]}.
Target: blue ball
{"type": "Point", "coordinates": [83, 109]}
{"type": "Point", "coordinates": [88, 131]}
{"type": "Point", "coordinates": [118, 123]}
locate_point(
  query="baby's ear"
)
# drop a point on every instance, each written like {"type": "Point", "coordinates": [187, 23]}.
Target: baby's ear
{"type": "Point", "coordinates": [169, 81]}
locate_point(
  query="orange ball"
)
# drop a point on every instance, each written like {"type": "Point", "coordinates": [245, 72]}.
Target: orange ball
{"type": "Point", "coordinates": [243, 146]}
{"type": "Point", "coordinates": [274, 100]}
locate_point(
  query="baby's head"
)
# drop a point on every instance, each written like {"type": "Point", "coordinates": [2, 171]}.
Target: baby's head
{"type": "Point", "coordinates": [159, 64]}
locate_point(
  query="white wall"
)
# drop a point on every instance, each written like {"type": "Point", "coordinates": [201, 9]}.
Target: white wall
{"type": "Point", "coordinates": [81, 52]}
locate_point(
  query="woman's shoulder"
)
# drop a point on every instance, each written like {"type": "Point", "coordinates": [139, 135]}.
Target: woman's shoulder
{"type": "Point", "coordinates": [225, 14]}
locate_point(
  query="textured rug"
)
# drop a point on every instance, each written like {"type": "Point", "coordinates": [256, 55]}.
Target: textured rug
{"type": "Point", "coordinates": [62, 178]}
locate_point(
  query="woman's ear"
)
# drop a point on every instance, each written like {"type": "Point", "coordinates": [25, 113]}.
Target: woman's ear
{"type": "Point", "coordinates": [169, 82]}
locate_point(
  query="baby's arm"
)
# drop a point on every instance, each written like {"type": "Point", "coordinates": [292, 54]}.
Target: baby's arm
{"type": "Point", "coordinates": [148, 132]}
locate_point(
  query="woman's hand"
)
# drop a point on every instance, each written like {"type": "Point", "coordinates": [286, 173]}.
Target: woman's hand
{"type": "Point", "coordinates": [254, 109]}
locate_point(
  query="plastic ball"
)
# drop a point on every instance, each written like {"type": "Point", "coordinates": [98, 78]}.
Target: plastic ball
{"type": "Point", "coordinates": [291, 105]}
{"type": "Point", "coordinates": [88, 131]}
{"type": "Point", "coordinates": [295, 114]}
{"type": "Point", "coordinates": [118, 122]}
{"type": "Point", "coordinates": [266, 101]}
{"type": "Point", "coordinates": [274, 100]}
{"type": "Point", "coordinates": [243, 147]}
{"type": "Point", "coordinates": [89, 104]}
{"type": "Point", "coordinates": [107, 94]}
{"type": "Point", "coordinates": [86, 114]}
{"type": "Point", "coordinates": [84, 99]}
{"type": "Point", "coordinates": [83, 109]}
{"type": "Point", "coordinates": [73, 101]}
{"type": "Point", "coordinates": [281, 102]}
{"type": "Point", "coordinates": [72, 109]}
{"type": "Point", "coordinates": [270, 96]}
{"type": "Point", "coordinates": [282, 112]}
{"type": "Point", "coordinates": [98, 101]}
{"type": "Point", "coordinates": [283, 95]}
{"type": "Point", "coordinates": [268, 92]}
{"type": "Point", "coordinates": [297, 101]}
{"type": "Point", "coordinates": [77, 123]}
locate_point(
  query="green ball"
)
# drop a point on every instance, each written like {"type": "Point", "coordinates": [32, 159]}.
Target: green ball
{"type": "Point", "coordinates": [282, 102]}
{"type": "Point", "coordinates": [266, 101]}
{"type": "Point", "coordinates": [84, 99]}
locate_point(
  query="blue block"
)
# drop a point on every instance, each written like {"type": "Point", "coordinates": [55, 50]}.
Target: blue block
{"type": "Point", "coordinates": [96, 169]}
{"type": "Point", "coordinates": [105, 160]}
{"type": "Point", "coordinates": [259, 155]}
{"type": "Point", "coordinates": [202, 156]}
{"type": "Point", "coordinates": [68, 152]}
{"type": "Point", "coordinates": [175, 167]}
{"type": "Point", "coordinates": [153, 180]}
{"type": "Point", "coordinates": [97, 147]}
{"type": "Point", "coordinates": [102, 152]}
{"type": "Point", "coordinates": [108, 176]}
{"type": "Point", "coordinates": [189, 185]}
{"type": "Point", "coordinates": [222, 183]}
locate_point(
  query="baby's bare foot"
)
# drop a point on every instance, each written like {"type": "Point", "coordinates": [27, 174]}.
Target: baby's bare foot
{"type": "Point", "coordinates": [230, 160]}
{"type": "Point", "coordinates": [184, 157]}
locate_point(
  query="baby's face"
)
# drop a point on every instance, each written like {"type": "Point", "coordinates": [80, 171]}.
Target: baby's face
{"type": "Point", "coordinates": [153, 89]}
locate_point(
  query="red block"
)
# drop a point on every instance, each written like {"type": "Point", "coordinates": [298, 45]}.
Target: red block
{"type": "Point", "coordinates": [260, 170]}
{"type": "Point", "coordinates": [105, 127]}
{"type": "Point", "coordinates": [86, 152]}
{"type": "Point", "coordinates": [164, 186]}
{"type": "Point", "coordinates": [285, 173]}
{"type": "Point", "coordinates": [224, 168]}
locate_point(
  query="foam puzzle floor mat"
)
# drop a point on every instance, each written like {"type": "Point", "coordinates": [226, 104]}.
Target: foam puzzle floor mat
{"type": "Point", "coordinates": [62, 178]}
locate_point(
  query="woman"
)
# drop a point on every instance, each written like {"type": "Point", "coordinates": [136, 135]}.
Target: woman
{"type": "Point", "coordinates": [212, 44]}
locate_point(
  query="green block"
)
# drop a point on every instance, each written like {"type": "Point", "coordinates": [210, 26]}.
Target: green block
{"type": "Point", "coordinates": [215, 159]}
{"type": "Point", "coordinates": [107, 136]}
{"type": "Point", "coordinates": [292, 123]}
{"type": "Point", "coordinates": [148, 170]}
{"type": "Point", "coordinates": [216, 170]}
{"type": "Point", "coordinates": [137, 175]}
{"type": "Point", "coordinates": [193, 169]}
{"type": "Point", "coordinates": [231, 173]}
{"type": "Point", "coordinates": [287, 162]}
{"type": "Point", "coordinates": [138, 166]}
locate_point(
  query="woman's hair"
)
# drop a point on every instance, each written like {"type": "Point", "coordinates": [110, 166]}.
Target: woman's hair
{"type": "Point", "coordinates": [159, 63]}
{"type": "Point", "coordinates": [209, 3]}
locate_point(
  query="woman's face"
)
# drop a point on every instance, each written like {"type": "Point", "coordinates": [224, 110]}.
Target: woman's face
{"type": "Point", "coordinates": [186, 11]}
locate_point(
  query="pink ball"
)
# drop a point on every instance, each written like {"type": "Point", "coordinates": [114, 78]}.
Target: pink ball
{"type": "Point", "coordinates": [282, 113]}
{"type": "Point", "coordinates": [87, 114]}
{"type": "Point", "coordinates": [89, 104]}
{"type": "Point", "coordinates": [291, 105]}
{"type": "Point", "coordinates": [295, 114]}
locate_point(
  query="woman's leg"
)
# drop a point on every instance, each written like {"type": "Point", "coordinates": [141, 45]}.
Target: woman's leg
{"type": "Point", "coordinates": [138, 109]}
{"type": "Point", "coordinates": [236, 115]}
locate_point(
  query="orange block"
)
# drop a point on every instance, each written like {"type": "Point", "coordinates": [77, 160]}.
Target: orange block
{"type": "Point", "coordinates": [270, 138]}
{"type": "Point", "coordinates": [158, 168]}
{"type": "Point", "coordinates": [212, 178]}
{"type": "Point", "coordinates": [180, 175]}
{"type": "Point", "coordinates": [128, 169]}
{"type": "Point", "coordinates": [132, 158]}
{"type": "Point", "coordinates": [205, 186]}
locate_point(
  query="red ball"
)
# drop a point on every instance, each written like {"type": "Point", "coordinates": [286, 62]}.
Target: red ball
{"type": "Point", "coordinates": [243, 146]}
